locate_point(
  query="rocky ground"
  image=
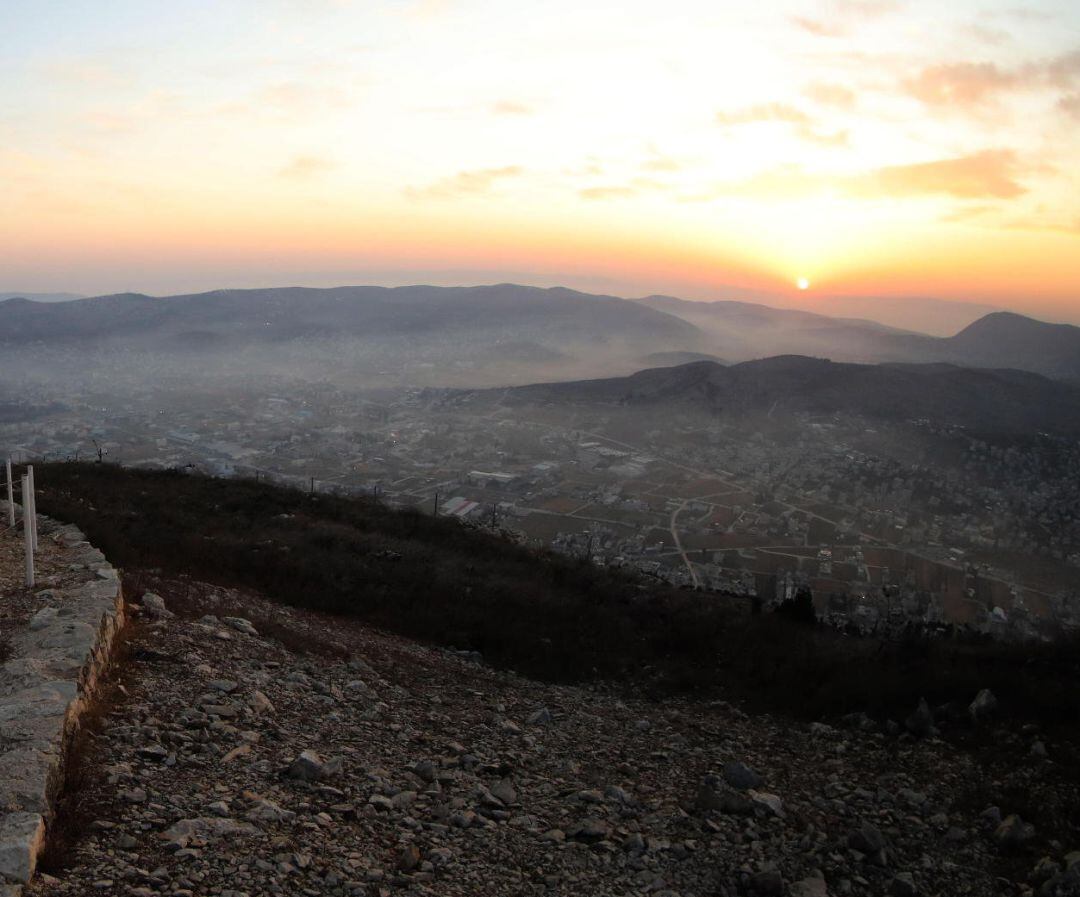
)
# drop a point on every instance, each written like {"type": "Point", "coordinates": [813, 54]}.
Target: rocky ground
{"type": "Point", "coordinates": [252, 750]}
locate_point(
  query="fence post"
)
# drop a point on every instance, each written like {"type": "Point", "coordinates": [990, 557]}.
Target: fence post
{"type": "Point", "coordinates": [33, 508]}
{"type": "Point", "coordinates": [10, 497]}
{"type": "Point", "coordinates": [28, 534]}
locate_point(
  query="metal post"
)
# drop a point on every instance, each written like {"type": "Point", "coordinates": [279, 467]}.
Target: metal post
{"type": "Point", "coordinates": [28, 534]}
{"type": "Point", "coordinates": [32, 507]}
{"type": "Point", "coordinates": [435, 507]}
{"type": "Point", "coordinates": [10, 496]}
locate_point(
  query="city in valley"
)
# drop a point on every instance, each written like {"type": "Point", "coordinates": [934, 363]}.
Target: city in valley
{"type": "Point", "coordinates": [889, 524]}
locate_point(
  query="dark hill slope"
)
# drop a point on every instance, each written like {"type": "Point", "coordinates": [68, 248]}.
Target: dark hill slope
{"type": "Point", "coordinates": [543, 615]}
{"type": "Point", "coordinates": [1004, 339]}
{"type": "Point", "coordinates": [991, 400]}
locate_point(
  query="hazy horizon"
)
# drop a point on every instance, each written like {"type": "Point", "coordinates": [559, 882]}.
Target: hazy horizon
{"type": "Point", "coordinates": [939, 317]}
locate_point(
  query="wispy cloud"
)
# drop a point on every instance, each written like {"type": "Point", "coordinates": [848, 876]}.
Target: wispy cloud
{"type": "Point", "coordinates": [818, 28]}
{"type": "Point", "coordinates": [475, 182]}
{"type": "Point", "coordinates": [763, 112]}
{"type": "Point", "coordinates": [962, 84]}
{"type": "Point", "coordinates": [511, 107]}
{"type": "Point", "coordinates": [304, 167]}
{"type": "Point", "coordinates": [599, 193]}
{"type": "Point", "coordinates": [635, 187]}
{"type": "Point", "coordinates": [990, 174]}
{"type": "Point", "coordinates": [661, 163]}
{"type": "Point", "coordinates": [843, 15]}
{"type": "Point", "coordinates": [971, 85]}
{"type": "Point", "coordinates": [831, 95]}
{"type": "Point", "coordinates": [966, 213]}
{"type": "Point", "coordinates": [1070, 105]}
{"type": "Point", "coordinates": [1063, 71]}
{"type": "Point", "coordinates": [298, 97]}
{"type": "Point", "coordinates": [786, 114]}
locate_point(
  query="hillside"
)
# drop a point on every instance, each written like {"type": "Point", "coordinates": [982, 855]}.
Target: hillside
{"type": "Point", "coordinates": [542, 614]}
{"type": "Point", "coordinates": [983, 400]}
{"type": "Point", "coordinates": [1004, 339]}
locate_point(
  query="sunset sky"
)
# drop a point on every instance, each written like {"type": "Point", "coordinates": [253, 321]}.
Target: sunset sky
{"type": "Point", "coordinates": [872, 147]}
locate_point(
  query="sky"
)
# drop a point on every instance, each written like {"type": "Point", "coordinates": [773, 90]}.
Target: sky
{"type": "Point", "coordinates": [871, 147]}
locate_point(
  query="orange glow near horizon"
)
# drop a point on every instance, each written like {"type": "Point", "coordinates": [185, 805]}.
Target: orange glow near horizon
{"type": "Point", "coordinates": [629, 153]}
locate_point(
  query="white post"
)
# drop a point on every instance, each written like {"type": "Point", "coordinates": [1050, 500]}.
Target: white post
{"type": "Point", "coordinates": [10, 497]}
{"type": "Point", "coordinates": [28, 534]}
{"type": "Point", "coordinates": [33, 507]}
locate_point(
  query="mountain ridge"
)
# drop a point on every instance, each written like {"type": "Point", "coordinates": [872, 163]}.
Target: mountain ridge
{"type": "Point", "coordinates": [597, 333]}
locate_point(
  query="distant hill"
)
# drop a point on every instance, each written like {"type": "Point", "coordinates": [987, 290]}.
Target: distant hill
{"type": "Point", "coordinates": [742, 331]}
{"type": "Point", "coordinates": [1004, 339]}
{"type": "Point", "coordinates": [937, 317]}
{"type": "Point", "coordinates": [670, 359]}
{"type": "Point", "coordinates": [1001, 401]}
{"type": "Point", "coordinates": [418, 334]}
{"type": "Point", "coordinates": [41, 297]}
{"type": "Point", "coordinates": [485, 335]}
{"type": "Point", "coordinates": [280, 314]}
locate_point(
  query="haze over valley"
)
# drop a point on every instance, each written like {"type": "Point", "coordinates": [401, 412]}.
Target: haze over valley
{"type": "Point", "coordinates": [780, 445]}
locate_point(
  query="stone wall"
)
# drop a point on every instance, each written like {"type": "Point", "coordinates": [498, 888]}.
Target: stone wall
{"type": "Point", "coordinates": [54, 669]}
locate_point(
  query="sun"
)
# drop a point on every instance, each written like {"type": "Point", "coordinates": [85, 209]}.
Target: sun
{"type": "Point", "coordinates": [802, 283]}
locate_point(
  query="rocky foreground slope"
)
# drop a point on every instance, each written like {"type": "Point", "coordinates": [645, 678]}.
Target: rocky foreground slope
{"type": "Point", "coordinates": [254, 750]}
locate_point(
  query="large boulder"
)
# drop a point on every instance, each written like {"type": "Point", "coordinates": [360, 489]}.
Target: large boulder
{"type": "Point", "coordinates": [921, 722]}
{"type": "Point", "coordinates": [1014, 833]}
{"type": "Point", "coordinates": [741, 776]}
{"type": "Point", "coordinates": [203, 830]}
{"type": "Point", "coordinates": [984, 705]}
{"type": "Point", "coordinates": [154, 607]}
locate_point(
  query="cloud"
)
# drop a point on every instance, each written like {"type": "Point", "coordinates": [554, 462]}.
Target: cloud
{"type": "Point", "coordinates": [304, 167]}
{"type": "Point", "coordinates": [786, 114]}
{"type": "Point", "coordinates": [825, 138]}
{"type": "Point", "coordinates": [969, 85]}
{"type": "Point", "coordinates": [964, 214]}
{"type": "Point", "coordinates": [764, 112]}
{"type": "Point", "coordinates": [299, 97]}
{"type": "Point", "coordinates": [96, 72]}
{"type": "Point", "coordinates": [1070, 105]}
{"type": "Point", "coordinates": [990, 173]}
{"type": "Point", "coordinates": [1064, 70]}
{"type": "Point", "coordinates": [831, 95]}
{"type": "Point", "coordinates": [960, 83]}
{"type": "Point", "coordinates": [594, 193]}
{"type": "Point", "coordinates": [818, 28]}
{"type": "Point", "coordinates": [511, 107]}
{"type": "Point", "coordinates": [465, 183]}
{"type": "Point", "coordinates": [868, 9]}
{"type": "Point", "coordinates": [843, 15]}
{"type": "Point", "coordinates": [660, 162]}
{"type": "Point", "coordinates": [636, 187]}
